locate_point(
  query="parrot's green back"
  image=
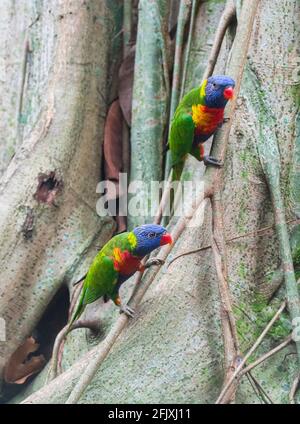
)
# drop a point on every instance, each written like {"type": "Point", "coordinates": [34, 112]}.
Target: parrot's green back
{"type": "Point", "coordinates": [182, 130]}
{"type": "Point", "coordinates": [102, 278]}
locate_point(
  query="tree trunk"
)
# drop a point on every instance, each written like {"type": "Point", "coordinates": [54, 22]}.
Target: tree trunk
{"type": "Point", "coordinates": [173, 350]}
{"type": "Point", "coordinates": [48, 194]}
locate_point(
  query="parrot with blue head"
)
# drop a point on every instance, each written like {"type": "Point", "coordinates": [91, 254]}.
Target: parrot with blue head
{"type": "Point", "coordinates": [118, 260]}
{"type": "Point", "coordinates": [197, 117]}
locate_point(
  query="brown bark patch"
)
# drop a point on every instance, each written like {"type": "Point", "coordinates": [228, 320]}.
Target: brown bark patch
{"type": "Point", "coordinates": [49, 186]}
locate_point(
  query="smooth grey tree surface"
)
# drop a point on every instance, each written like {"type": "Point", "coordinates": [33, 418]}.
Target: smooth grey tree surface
{"type": "Point", "coordinates": [52, 117]}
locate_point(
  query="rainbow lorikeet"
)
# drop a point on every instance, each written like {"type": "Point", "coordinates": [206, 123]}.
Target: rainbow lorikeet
{"type": "Point", "coordinates": [118, 260]}
{"type": "Point", "coordinates": [198, 115]}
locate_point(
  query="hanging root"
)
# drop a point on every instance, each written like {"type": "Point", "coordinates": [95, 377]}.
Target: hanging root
{"type": "Point", "coordinates": [294, 388]}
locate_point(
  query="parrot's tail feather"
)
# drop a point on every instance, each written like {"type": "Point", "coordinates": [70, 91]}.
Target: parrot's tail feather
{"type": "Point", "coordinates": [81, 279]}
{"type": "Point", "coordinates": [79, 310]}
{"type": "Point", "coordinates": [176, 174]}
{"type": "Point", "coordinates": [177, 171]}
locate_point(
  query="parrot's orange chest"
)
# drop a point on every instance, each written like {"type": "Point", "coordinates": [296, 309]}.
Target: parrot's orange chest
{"type": "Point", "coordinates": [206, 119]}
{"type": "Point", "coordinates": [125, 263]}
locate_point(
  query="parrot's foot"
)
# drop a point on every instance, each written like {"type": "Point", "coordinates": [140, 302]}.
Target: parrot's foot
{"type": "Point", "coordinates": [227, 119]}
{"type": "Point", "coordinates": [209, 160]}
{"type": "Point", "coordinates": [154, 261]}
{"type": "Point", "coordinates": [125, 309]}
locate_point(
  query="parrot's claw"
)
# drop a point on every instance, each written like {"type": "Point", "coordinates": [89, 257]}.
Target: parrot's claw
{"type": "Point", "coordinates": [227, 119]}
{"type": "Point", "coordinates": [209, 160]}
{"type": "Point", "coordinates": [125, 309]}
{"type": "Point", "coordinates": [154, 261]}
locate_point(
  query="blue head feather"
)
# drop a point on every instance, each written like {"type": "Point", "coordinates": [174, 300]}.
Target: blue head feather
{"type": "Point", "coordinates": [148, 238]}
{"type": "Point", "coordinates": [214, 91]}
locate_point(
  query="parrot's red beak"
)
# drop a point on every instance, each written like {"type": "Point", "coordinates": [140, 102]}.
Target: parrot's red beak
{"type": "Point", "coordinates": [166, 239]}
{"type": "Point", "coordinates": [228, 93]}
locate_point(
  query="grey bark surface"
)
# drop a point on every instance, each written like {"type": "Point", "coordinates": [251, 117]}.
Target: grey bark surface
{"type": "Point", "coordinates": [172, 351]}
{"type": "Point", "coordinates": [65, 138]}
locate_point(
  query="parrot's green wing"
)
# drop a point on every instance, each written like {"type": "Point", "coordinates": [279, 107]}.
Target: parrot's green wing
{"type": "Point", "coordinates": [100, 280]}
{"type": "Point", "coordinates": [182, 130]}
{"type": "Point", "coordinates": [180, 142]}
{"type": "Point", "coordinates": [102, 277]}
{"type": "Point", "coordinates": [181, 136]}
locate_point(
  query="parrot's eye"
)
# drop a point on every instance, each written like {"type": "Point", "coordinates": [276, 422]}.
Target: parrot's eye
{"type": "Point", "coordinates": [151, 235]}
{"type": "Point", "coordinates": [214, 85]}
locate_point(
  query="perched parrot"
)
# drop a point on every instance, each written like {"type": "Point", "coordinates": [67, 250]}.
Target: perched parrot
{"type": "Point", "coordinates": [118, 259]}
{"type": "Point", "coordinates": [198, 115]}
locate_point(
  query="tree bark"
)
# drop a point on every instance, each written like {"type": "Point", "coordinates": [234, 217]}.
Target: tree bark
{"type": "Point", "coordinates": [173, 350]}
{"type": "Point", "coordinates": [48, 194]}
